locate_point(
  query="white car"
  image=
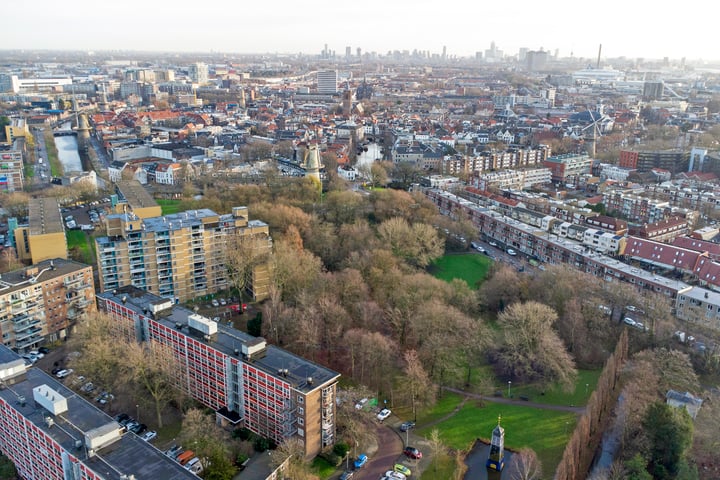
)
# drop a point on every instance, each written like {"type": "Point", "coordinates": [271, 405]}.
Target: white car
{"type": "Point", "coordinates": [149, 435]}
{"type": "Point", "coordinates": [64, 372]}
{"type": "Point", "coordinates": [631, 308]}
{"type": "Point", "coordinates": [393, 475]}
{"type": "Point", "coordinates": [512, 252]}
{"type": "Point", "coordinates": [361, 403]}
{"type": "Point", "coordinates": [492, 243]}
{"type": "Point", "coordinates": [384, 413]}
{"type": "Point", "coordinates": [629, 321]}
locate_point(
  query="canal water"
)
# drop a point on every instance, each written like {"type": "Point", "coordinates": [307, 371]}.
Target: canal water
{"type": "Point", "coordinates": [68, 154]}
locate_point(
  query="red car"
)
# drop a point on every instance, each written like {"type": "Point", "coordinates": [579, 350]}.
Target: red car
{"type": "Point", "coordinates": [413, 453]}
{"type": "Point", "coordinates": [239, 308]}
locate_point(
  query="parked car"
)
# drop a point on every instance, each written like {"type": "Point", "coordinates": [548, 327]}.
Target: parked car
{"type": "Point", "coordinates": [393, 475]}
{"type": "Point", "coordinates": [361, 403]}
{"type": "Point", "coordinates": [347, 475]}
{"type": "Point", "coordinates": [399, 467]}
{"type": "Point", "coordinates": [122, 418]}
{"type": "Point", "coordinates": [492, 243]}
{"type": "Point", "coordinates": [407, 426]}
{"type": "Point", "coordinates": [512, 252]}
{"type": "Point", "coordinates": [88, 387]}
{"type": "Point", "coordinates": [149, 435]}
{"type": "Point", "coordinates": [384, 413]}
{"type": "Point", "coordinates": [64, 372]}
{"type": "Point", "coordinates": [174, 451]}
{"type": "Point", "coordinates": [361, 461]}
{"type": "Point", "coordinates": [413, 453]}
{"type": "Point", "coordinates": [37, 353]}
{"type": "Point", "coordinates": [629, 321]}
{"type": "Point", "coordinates": [223, 302]}
{"type": "Point", "coordinates": [215, 303]}
{"type": "Point", "coordinates": [138, 428]}
{"type": "Point", "coordinates": [44, 350]}
{"type": "Point", "coordinates": [631, 308]}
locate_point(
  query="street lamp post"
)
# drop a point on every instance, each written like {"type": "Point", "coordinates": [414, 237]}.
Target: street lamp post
{"type": "Point", "coordinates": [587, 385]}
{"type": "Point", "coordinates": [509, 382]}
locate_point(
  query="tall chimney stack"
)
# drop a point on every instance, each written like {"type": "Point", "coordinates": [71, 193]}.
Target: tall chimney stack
{"type": "Point", "coordinates": [599, 52]}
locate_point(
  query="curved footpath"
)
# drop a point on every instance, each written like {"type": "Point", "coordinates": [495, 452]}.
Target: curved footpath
{"type": "Point", "coordinates": [522, 403]}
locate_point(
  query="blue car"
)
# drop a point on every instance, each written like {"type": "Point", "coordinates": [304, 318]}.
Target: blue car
{"type": "Point", "coordinates": [361, 460]}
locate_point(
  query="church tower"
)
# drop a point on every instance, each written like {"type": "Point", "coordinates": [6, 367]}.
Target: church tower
{"type": "Point", "coordinates": [496, 459]}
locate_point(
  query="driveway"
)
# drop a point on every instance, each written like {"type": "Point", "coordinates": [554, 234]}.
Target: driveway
{"type": "Point", "coordinates": [390, 447]}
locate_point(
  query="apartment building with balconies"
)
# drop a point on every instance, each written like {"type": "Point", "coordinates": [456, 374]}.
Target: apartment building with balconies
{"type": "Point", "coordinates": [248, 382]}
{"type": "Point", "coordinates": [179, 256]}
{"type": "Point", "coordinates": [49, 432]}
{"type": "Point", "coordinates": [12, 177]}
{"type": "Point", "coordinates": [40, 303]}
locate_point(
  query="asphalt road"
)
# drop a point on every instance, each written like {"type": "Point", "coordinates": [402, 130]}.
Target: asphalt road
{"type": "Point", "coordinates": [390, 448]}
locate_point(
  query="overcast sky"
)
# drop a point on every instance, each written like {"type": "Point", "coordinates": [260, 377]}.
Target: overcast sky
{"type": "Point", "coordinates": [630, 28]}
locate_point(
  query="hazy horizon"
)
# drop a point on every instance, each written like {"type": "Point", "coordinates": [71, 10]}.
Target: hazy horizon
{"type": "Point", "coordinates": [624, 29]}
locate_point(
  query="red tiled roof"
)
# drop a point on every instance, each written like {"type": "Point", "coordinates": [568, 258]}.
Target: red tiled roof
{"type": "Point", "coordinates": [712, 249]}
{"type": "Point", "coordinates": [663, 253]}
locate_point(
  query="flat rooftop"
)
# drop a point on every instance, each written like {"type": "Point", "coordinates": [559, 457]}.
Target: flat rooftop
{"type": "Point", "coordinates": [135, 195]}
{"type": "Point", "coordinates": [40, 272]}
{"type": "Point", "coordinates": [44, 216]}
{"type": "Point", "coordinates": [128, 455]}
{"type": "Point", "coordinates": [228, 340]}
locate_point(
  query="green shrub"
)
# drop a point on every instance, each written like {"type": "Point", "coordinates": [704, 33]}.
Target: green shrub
{"type": "Point", "coordinates": [261, 444]}
{"type": "Point", "coordinates": [341, 449]}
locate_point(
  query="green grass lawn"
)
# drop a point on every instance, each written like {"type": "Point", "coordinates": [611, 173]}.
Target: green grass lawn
{"type": "Point", "coordinates": [584, 386]}
{"type": "Point", "coordinates": [442, 467]}
{"type": "Point", "coordinates": [471, 268]}
{"type": "Point", "coordinates": [169, 206]}
{"type": "Point", "coordinates": [444, 406]}
{"type": "Point", "coordinates": [78, 239]}
{"type": "Point", "coordinates": [322, 468]}
{"type": "Point", "coordinates": [545, 431]}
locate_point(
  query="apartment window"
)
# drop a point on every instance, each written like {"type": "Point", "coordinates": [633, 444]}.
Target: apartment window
{"type": "Point", "coordinates": [301, 399]}
{"type": "Point", "coordinates": [301, 411]}
{"type": "Point", "coordinates": [301, 421]}
{"type": "Point", "coordinates": [301, 432]}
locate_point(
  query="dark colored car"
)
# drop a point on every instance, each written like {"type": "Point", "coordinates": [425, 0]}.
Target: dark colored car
{"type": "Point", "coordinates": [122, 418]}
{"type": "Point", "coordinates": [44, 350]}
{"type": "Point", "coordinates": [407, 426]}
{"type": "Point", "coordinates": [139, 429]}
{"type": "Point", "coordinates": [347, 475]}
{"type": "Point", "coordinates": [412, 452]}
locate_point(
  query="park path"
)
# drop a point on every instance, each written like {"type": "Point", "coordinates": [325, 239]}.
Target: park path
{"type": "Point", "coordinates": [512, 401]}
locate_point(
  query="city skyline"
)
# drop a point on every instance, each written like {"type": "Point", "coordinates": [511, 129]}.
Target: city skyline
{"type": "Point", "coordinates": [624, 29]}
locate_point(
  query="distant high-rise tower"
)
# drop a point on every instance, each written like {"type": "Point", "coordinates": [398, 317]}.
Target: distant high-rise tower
{"type": "Point", "coordinates": [198, 73]}
{"type": "Point", "coordinates": [359, 52]}
{"type": "Point", "coordinates": [348, 52]}
{"type": "Point", "coordinates": [327, 81]}
{"type": "Point", "coordinates": [241, 98]}
{"type": "Point", "coordinates": [496, 459]}
{"type": "Point", "coordinates": [444, 54]}
{"type": "Point", "coordinates": [536, 60]}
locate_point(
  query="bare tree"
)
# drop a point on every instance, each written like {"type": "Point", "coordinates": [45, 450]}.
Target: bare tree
{"type": "Point", "coordinates": [291, 453]}
{"type": "Point", "coordinates": [437, 447]}
{"type": "Point", "coordinates": [417, 382]}
{"type": "Point", "coordinates": [244, 253]}
{"type": "Point", "coordinates": [531, 349]}
{"type": "Point", "coordinates": [418, 244]}
{"type": "Point", "coordinates": [525, 465]}
{"type": "Point", "coordinates": [154, 367]}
